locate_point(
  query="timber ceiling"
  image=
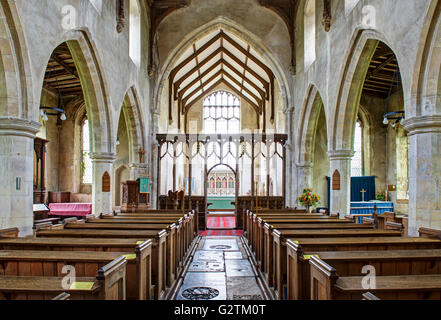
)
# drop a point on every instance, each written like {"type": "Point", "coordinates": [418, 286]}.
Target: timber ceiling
{"type": "Point", "coordinates": [286, 9]}
{"type": "Point", "coordinates": [221, 58]}
{"type": "Point", "coordinates": [61, 76]}
{"type": "Point", "coordinates": [383, 77]}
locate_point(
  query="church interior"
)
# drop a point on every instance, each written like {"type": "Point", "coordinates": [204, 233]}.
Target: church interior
{"type": "Point", "coordinates": [220, 150]}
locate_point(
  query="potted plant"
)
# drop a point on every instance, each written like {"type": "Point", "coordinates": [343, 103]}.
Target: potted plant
{"type": "Point", "coordinates": [309, 199]}
{"type": "Point", "coordinates": [381, 196]}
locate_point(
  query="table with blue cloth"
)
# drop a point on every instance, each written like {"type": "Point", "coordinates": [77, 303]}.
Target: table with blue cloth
{"type": "Point", "coordinates": [366, 209]}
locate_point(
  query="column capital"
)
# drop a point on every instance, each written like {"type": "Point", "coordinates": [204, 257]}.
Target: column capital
{"type": "Point", "coordinates": [10, 126]}
{"type": "Point", "coordinates": [341, 154]}
{"type": "Point", "coordinates": [103, 157]}
{"type": "Point", "coordinates": [423, 124]}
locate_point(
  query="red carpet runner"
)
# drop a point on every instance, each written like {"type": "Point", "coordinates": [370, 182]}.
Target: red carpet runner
{"type": "Point", "coordinates": [214, 222]}
{"type": "Point", "coordinates": [221, 233]}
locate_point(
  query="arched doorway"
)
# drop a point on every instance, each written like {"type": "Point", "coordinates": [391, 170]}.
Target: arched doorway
{"type": "Point", "coordinates": [221, 190]}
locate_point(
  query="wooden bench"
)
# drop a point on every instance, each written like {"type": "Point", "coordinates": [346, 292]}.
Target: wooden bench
{"type": "Point", "coordinates": [141, 266]}
{"type": "Point", "coordinates": [159, 270]}
{"type": "Point", "coordinates": [17, 266]}
{"type": "Point", "coordinates": [280, 249]}
{"type": "Point", "coordinates": [44, 288]}
{"type": "Point", "coordinates": [298, 268]}
{"type": "Point", "coordinates": [265, 240]}
{"type": "Point", "coordinates": [369, 297]}
{"type": "Point", "coordinates": [386, 263]}
{"type": "Point", "coordinates": [171, 240]}
{"type": "Point", "coordinates": [9, 233]}
{"type": "Point", "coordinates": [327, 285]}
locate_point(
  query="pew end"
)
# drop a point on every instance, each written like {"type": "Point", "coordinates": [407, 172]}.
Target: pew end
{"type": "Point", "coordinates": [394, 226]}
{"type": "Point", "coordinates": [323, 279]}
{"type": "Point", "coordinates": [9, 233]}
{"type": "Point", "coordinates": [113, 279]}
{"type": "Point", "coordinates": [430, 233]}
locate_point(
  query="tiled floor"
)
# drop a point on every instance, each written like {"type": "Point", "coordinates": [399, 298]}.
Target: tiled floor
{"type": "Point", "coordinates": [220, 270]}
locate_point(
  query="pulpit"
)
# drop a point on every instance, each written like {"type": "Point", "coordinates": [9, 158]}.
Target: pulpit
{"type": "Point", "coordinates": [132, 199]}
{"type": "Point", "coordinates": [39, 173]}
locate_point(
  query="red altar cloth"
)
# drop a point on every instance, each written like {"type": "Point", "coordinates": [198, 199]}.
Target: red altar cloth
{"type": "Point", "coordinates": [70, 209]}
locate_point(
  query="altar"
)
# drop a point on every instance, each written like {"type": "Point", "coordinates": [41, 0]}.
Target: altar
{"type": "Point", "coordinates": [366, 209]}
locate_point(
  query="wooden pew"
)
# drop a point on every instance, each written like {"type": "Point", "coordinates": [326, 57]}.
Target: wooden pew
{"type": "Point", "coordinates": [255, 222]}
{"type": "Point", "coordinates": [298, 267]}
{"type": "Point", "coordinates": [181, 232]}
{"type": "Point", "coordinates": [141, 267]}
{"type": "Point", "coordinates": [429, 233]}
{"type": "Point", "coordinates": [171, 240]}
{"type": "Point", "coordinates": [9, 233]}
{"type": "Point", "coordinates": [38, 275]}
{"type": "Point", "coordinates": [159, 270]}
{"type": "Point", "coordinates": [327, 285]}
{"type": "Point", "coordinates": [280, 249]}
{"type": "Point", "coordinates": [263, 238]}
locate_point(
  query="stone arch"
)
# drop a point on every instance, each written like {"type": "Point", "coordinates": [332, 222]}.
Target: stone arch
{"type": "Point", "coordinates": [425, 98]}
{"type": "Point", "coordinates": [134, 123]}
{"type": "Point", "coordinates": [16, 93]}
{"type": "Point", "coordinates": [94, 87]}
{"type": "Point", "coordinates": [308, 125]}
{"type": "Point", "coordinates": [359, 55]}
{"type": "Point", "coordinates": [239, 31]}
{"type": "Point", "coordinates": [121, 174]}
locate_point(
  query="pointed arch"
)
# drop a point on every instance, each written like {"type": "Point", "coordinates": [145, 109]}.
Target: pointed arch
{"type": "Point", "coordinates": [360, 53]}
{"type": "Point", "coordinates": [425, 97]}
{"type": "Point", "coordinates": [308, 125]}
{"type": "Point", "coordinates": [134, 123]}
{"type": "Point", "coordinates": [16, 92]}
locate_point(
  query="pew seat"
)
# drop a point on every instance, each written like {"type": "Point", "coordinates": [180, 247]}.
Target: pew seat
{"type": "Point", "coordinates": [45, 288]}
{"type": "Point", "coordinates": [413, 287]}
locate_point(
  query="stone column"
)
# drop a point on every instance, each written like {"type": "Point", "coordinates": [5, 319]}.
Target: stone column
{"type": "Point", "coordinates": [341, 199]}
{"type": "Point", "coordinates": [424, 172]}
{"type": "Point", "coordinates": [304, 178]}
{"type": "Point", "coordinates": [17, 173]}
{"type": "Point", "coordinates": [101, 201]}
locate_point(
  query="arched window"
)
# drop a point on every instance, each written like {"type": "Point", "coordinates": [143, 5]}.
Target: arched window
{"type": "Point", "coordinates": [135, 32]}
{"type": "Point", "coordinates": [86, 162]}
{"type": "Point", "coordinates": [357, 169]}
{"type": "Point", "coordinates": [222, 113]}
{"type": "Point", "coordinates": [309, 36]}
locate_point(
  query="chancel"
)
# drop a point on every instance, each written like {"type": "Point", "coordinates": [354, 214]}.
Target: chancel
{"type": "Point", "coordinates": [220, 150]}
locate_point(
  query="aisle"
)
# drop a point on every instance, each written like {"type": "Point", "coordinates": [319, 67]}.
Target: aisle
{"type": "Point", "coordinates": [220, 270]}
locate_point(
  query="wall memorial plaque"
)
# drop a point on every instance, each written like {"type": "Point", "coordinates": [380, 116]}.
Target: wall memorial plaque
{"type": "Point", "coordinates": [106, 182]}
{"type": "Point", "coordinates": [336, 180]}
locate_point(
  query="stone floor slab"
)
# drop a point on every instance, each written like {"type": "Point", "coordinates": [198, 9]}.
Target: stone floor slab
{"type": "Point", "coordinates": [210, 256]}
{"type": "Point", "coordinates": [233, 255]}
{"type": "Point", "coordinates": [243, 288]}
{"type": "Point", "coordinates": [238, 268]}
{"type": "Point", "coordinates": [220, 245]}
{"type": "Point", "coordinates": [200, 281]}
{"type": "Point", "coordinates": [205, 266]}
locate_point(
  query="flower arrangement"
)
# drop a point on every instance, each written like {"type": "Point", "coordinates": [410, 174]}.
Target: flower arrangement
{"type": "Point", "coordinates": [308, 199]}
{"type": "Point", "coordinates": [381, 196]}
